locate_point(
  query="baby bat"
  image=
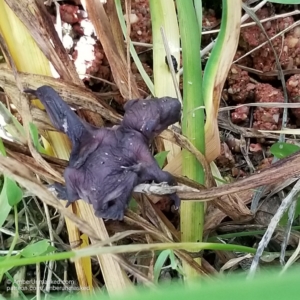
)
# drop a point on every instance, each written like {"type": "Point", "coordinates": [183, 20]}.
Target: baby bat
{"type": "Point", "coordinates": [107, 163]}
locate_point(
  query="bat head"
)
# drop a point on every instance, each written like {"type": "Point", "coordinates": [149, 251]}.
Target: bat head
{"type": "Point", "coordinates": [151, 117]}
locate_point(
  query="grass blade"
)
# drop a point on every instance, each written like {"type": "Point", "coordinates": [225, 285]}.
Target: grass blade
{"type": "Point", "coordinates": [216, 71]}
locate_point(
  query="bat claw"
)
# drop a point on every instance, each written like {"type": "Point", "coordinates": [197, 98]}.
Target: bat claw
{"type": "Point", "coordinates": [30, 91]}
{"type": "Point", "coordinates": [106, 215]}
{"type": "Point", "coordinates": [176, 200]}
{"type": "Point", "coordinates": [68, 204]}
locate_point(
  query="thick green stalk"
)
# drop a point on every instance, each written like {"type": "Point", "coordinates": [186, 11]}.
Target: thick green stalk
{"type": "Point", "coordinates": [163, 15]}
{"type": "Point", "coordinates": [192, 213]}
{"type": "Point", "coordinates": [102, 250]}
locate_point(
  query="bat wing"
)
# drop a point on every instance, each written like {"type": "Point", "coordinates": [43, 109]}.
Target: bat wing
{"type": "Point", "coordinates": [85, 137]}
{"type": "Point", "coordinates": [61, 115]}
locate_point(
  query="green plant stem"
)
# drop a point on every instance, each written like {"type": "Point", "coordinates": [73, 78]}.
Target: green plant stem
{"type": "Point", "coordinates": [16, 286]}
{"type": "Point", "coordinates": [192, 213]}
{"type": "Point", "coordinates": [164, 20]}
{"type": "Point", "coordinates": [14, 241]}
{"type": "Point", "coordinates": [96, 250]}
{"type": "Point", "coordinates": [16, 237]}
{"type": "Point", "coordinates": [163, 15]}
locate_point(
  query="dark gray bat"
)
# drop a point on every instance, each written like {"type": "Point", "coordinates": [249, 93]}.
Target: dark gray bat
{"type": "Point", "coordinates": [107, 163]}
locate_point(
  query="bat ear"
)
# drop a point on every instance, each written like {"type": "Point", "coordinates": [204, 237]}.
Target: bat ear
{"type": "Point", "coordinates": [130, 103]}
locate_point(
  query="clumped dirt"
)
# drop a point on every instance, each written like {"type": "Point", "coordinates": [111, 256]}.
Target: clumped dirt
{"type": "Point", "coordinates": [80, 40]}
{"type": "Point", "coordinates": [286, 48]}
{"type": "Point", "coordinates": [239, 86]}
{"type": "Point", "coordinates": [246, 82]}
{"type": "Point", "coordinates": [267, 118]}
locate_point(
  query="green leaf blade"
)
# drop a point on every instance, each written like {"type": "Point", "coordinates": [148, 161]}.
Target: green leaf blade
{"type": "Point", "coordinates": [282, 150]}
{"type": "Point", "coordinates": [39, 248]}
{"type": "Point", "coordinates": [161, 158]}
{"type": "Point", "coordinates": [11, 192]}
